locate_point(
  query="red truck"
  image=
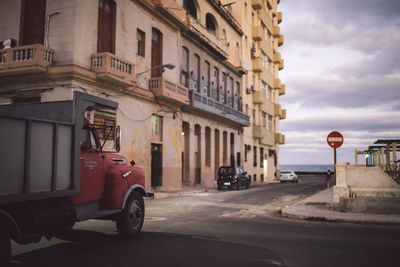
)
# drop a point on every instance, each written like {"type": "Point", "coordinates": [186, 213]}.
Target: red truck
{"type": "Point", "coordinates": [54, 172]}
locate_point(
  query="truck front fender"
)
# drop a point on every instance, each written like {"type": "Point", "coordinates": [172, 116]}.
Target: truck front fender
{"type": "Point", "coordinates": [10, 225]}
{"type": "Point", "coordinates": [135, 187]}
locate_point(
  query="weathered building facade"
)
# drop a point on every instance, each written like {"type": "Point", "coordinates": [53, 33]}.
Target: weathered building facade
{"type": "Point", "coordinates": [178, 69]}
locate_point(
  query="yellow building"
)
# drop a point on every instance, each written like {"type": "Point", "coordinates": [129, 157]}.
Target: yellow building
{"type": "Point", "coordinates": [259, 20]}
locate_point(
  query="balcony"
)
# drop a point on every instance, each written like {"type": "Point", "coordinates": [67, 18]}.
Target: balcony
{"type": "Point", "coordinates": [276, 31]}
{"type": "Point", "coordinates": [25, 59]}
{"type": "Point", "coordinates": [217, 110]}
{"type": "Point", "coordinates": [282, 90]}
{"type": "Point", "coordinates": [283, 117]}
{"type": "Point", "coordinates": [113, 69]}
{"type": "Point", "coordinates": [258, 97]}
{"type": "Point", "coordinates": [257, 33]}
{"type": "Point", "coordinates": [242, 67]}
{"type": "Point", "coordinates": [266, 137]}
{"type": "Point", "coordinates": [257, 64]}
{"type": "Point", "coordinates": [277, 84]}
{"type": "Point", "coordinates": [198, 32]}
{"type": "Point", "coordinates": [259, 132]}
{"type": "Point", "coordinates": [278, 16]}
{"type": "Point", "coordinates": [281, 64]}
{"type": "Point", "coordinates": [280, 138]}
{"type": "Point", "coordinates": [277, 58]}
{"type": "Point", "coordinates": [164, 89]}
{"type": "Point", "coordinates": [257, 4]}
{"type": "Point", "coordinates": [281, 40]}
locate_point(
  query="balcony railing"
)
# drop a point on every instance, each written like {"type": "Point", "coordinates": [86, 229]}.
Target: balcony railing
{"type": "Point", "coordinates": [266, 137]}
{"type": "Point", "coordinates": [216, 108]}
{"type": "Point", "coordinates": [266, 47]}
{"type": "Point", "coordinates": [25, 59]}
{"type": "Point", "coordinates": [280, 138]}
{"type": "Point", "coordinates": [113, 69]}
{"type": "Point", "coordinates": [259, 132]}
{"type": "Point", "coordinates": [281, 40]}
{"type": "Point", "coordinates": [277, 84]}
{"type": "Point", "coordinates": [276, 31]}
{"type": "Point", "coordinates": [283, 117]}
{"type": "Point", "coordinates": [282, 90]}
{"type": "Point", "coordinates": [277, 58]}
{"type": "Point", "coordinates": [169, 91]}
{"type": "Point", "coordinates": [281, 64]}
{"type": "Point", "coordinates": [257, 33]}
{"type": "Point", "coordinates": [199, 32]}
{"type": "Point", "coordinates": [258, 97]}
{"type": "Point", "coordinates": [279, 17]}
{"type": "Point", "coordinates": [257, 64]}
{"type": "Point", "coordinates": [257, 4]}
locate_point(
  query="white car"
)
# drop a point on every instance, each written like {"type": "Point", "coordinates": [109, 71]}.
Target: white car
{"type": "Point", "coordinates": [289, 176]}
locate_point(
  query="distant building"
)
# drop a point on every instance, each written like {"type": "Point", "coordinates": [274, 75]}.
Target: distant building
{"type": "Point", "coordinates": [261, 85]}
{"type": "Point", "coordinates": [181, 72]}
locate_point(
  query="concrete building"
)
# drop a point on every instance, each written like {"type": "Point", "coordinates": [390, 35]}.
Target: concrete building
{"type": "Point", "coordinates": [181, 71]}
{"type": "Point", "coordinates": [262, 87]}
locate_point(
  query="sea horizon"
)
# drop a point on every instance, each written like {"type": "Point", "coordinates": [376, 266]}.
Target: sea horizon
{"type": "Point", "coordinates": [307, 167]}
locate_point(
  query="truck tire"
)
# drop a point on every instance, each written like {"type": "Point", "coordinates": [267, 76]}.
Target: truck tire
{"type": "Point", "coordinates": [5, 247]}
{"type": "Point", "coordinates": [130, 220]}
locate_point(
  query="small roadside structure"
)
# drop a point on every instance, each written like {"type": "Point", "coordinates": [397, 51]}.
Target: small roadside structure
{"type": "Point", "coordinates": [373, 187]}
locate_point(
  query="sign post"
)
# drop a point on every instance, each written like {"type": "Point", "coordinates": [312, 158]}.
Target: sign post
{"type": "Point", "coordinates": [334, 140]}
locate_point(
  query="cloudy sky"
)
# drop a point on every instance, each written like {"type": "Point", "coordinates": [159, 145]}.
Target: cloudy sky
{"type": "Point", "coordinates": [342, 72]}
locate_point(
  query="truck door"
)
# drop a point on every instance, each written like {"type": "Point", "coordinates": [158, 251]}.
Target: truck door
{"type": "Point", "coordinates": [92, 173]}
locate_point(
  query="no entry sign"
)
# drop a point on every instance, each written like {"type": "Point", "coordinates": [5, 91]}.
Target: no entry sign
{"type": "Point", "coordinates": [335, 139]}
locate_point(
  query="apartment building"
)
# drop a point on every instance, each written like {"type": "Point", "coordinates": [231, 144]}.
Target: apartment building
{"type": "Point", "coordinates": [259, 20]}
{"type": "Point", "coordinates": [174, 67]}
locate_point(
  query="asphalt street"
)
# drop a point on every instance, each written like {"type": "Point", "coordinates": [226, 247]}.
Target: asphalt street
{"type": "Point", "coordinates": [222, 228]}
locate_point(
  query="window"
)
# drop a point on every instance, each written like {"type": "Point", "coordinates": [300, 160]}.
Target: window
{"type": "Point", "coordinates": [190, 7]}
{"type": "Point", "coordinates": [269, 123]}
{"type": "Point", "coordinates": [262, 177]}
{"type": "Point", "coordinates": [208, 146]}
{"type": "Point", "coordinates": [211, 24]}
{"type": "Point", "coordinates": [33, 16]}
{"type": "Point", "coordinates": [263, 58]}
{"type": "Point", "coordinates": [264, 120]}
{"type": "Point", "coordinates": [197, 74]}
{"type": "Point", "coordinates": [155, 125]}
{"type": "Point", "coordinates": [184, 79]}
{"type": "Point", "coordinates": [245, 153]}
{"type": "Point", "coordinates": [254, 156]}
{"type": "Point", "coordinates": [106, 26]}
{"type": "Point", "coordinates": [216, 84]}
{"type": "Point", "coordinates": [261, 157]}
{"type": "Point", "coordinates": [263, 89]}
{"type": "Point", "coordinates": [254, 116]}
{"type": "Point", "coordinates": [255, 177]}
{"type": "Point", "coordinates": [208, 77]}
{"type": "Point", "coordinates": [270, 93]}
{"type": "Point", "coordinates": [141, 40]}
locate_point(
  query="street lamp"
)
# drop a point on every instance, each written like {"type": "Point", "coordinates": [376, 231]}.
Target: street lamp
{"type": "Point", "coordinates": [163, 66]}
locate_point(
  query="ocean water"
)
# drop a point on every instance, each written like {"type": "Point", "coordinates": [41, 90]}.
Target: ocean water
{"type": "Point", "coordinates": [307, 167]}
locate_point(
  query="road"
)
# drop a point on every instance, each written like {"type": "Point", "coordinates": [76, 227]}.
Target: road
{"type": "Point", "coordinates": [226, 228]}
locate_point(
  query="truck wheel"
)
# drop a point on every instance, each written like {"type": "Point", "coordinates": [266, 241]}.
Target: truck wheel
{"type": "Point", "coordinates": [5, 247]}
{"type": "Point", "coordinates": [130, 220]}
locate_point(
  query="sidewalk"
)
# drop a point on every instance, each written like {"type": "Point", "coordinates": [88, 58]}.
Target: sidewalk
{"type": "Point", "coordinates": [318, 207]}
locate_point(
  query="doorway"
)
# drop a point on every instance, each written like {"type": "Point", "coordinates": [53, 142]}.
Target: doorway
{"type": "Point", "coordinates": [156, 165]}
{"type": "Point", "coordinates": [32, 22]}
{"type": "Point", "coordinates": [106, 26]}
{"type": "Point", "coordinates": [156, 53]}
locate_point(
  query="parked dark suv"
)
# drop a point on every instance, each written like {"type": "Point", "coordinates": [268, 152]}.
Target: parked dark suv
{"type": "Point", "coordinates": [232, 177]}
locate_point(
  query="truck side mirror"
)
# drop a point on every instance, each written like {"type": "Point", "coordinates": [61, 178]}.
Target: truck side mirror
{"type": "Point", "coordinates": [117, 138]}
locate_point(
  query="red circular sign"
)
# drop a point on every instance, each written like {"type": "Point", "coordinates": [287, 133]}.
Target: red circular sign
{"type": "Point", "coordinates": [335, 139]}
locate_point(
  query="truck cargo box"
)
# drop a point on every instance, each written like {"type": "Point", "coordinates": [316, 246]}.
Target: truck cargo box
{"type": "Point", "coordinates": [40, 147]}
